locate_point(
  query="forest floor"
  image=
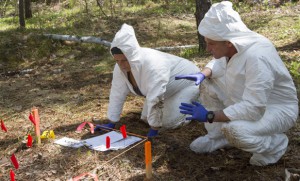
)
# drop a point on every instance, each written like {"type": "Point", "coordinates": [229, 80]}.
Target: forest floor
{"type": "Point", "coordinates": [72, 86]}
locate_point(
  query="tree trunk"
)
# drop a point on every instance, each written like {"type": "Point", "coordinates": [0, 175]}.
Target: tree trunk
{"type": "Point", "coordinates": [28, 12]}
{"type": "Point", "coordinates": [21, 14]}
{"type": "Point", "coordinates": [202, 6]}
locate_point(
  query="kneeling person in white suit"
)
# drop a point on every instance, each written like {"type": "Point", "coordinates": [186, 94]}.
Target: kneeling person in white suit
{"type": "Point", "coordinates": [248, 96]}
{"type": "Point", "coordinates": [149, 73]}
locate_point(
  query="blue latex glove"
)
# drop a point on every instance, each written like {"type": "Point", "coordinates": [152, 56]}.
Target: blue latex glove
{"type": "Point", "coordinates": [198, 77]}
{"type": "Point", "coordinates": [196, 110]}
{"type": "Point", "coordinates": [152, 133]}
{"type": "Point", "coordinates": [107, 126]}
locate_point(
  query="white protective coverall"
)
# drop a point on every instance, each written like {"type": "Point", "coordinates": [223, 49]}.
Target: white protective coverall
{"type": "Point", "coordinates": [254, 89]}
{"type": "Point", "coordinates": [154, 73]}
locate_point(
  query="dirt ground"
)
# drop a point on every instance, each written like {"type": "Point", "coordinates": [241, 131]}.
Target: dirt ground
{"type": "Point", "coordinates": [67, 91]}
{"type": "Point", "coordinates": [68, 94]}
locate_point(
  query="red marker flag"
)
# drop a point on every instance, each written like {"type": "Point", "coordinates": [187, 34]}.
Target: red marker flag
{"type": "Point", "coordinates": [80, 127]}
{"type": "Point", "coordinates": [14, 161]}
{"type": "Point", "coordinates": [123, 131]}
{"type": "Point", "coordinates": [107, 142]}
{"type": "Point", "coordinates": [12, 175]}
{"type": "Point", "coordinates": [91, 126]}
{"type": "Point", "coordinates": [31, 118]}
{"type": "Point", "coordinates": [3, 126]}
{"type": "Point", "coordinates": [29, 141]}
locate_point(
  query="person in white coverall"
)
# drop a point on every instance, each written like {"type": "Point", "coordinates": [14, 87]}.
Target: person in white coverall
{"type": "Point", "coordinates": [149, 73]}
{"type": "Point", "coordinates": [248, 98]}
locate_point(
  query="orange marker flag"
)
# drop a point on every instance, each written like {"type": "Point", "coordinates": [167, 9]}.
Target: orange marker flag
{"type": "Point", "coordinates": [37, 125]}
{"type": "Point", "coordinates": [148, 160]}
{"type": "Point", "coordinates": [3, 126]}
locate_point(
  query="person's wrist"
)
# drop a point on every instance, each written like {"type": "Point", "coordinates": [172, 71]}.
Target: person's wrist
{"type": "Point", "coordinates": [210, 116]}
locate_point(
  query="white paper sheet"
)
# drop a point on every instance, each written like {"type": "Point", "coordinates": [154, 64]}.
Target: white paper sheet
{"type": "Point", "coordinates": [121, 144]}
{"type": "Point", "coordinates": [101, 140]}
{"type": "Point", "coordinates": [69, 142]}
{"type": "Point", "coordinates": [98, 143]}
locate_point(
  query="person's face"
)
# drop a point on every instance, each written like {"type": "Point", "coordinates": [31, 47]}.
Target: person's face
{"type": "Point", "coordinates": [219, 48]}
{"type": "Point", "coordinates": [122, 62]}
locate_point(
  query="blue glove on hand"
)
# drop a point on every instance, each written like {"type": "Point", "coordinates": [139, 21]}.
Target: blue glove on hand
{"type": "Point", "coordinates": [198, 77]}
{"type": "Point", "coordinates": [197, 111]}
{"type": "Point", "coordinates": [107, 126]}
{"type": "Point", "coordinates": [152, 133]}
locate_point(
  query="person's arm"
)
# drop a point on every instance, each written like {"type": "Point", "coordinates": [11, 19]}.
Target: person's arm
{"type": "Point", "coordinates": [220, 117]}
{"type": "Point", "coordinates": [198, 112]}
{"type": "Point", "coordinates": [118, 93]}
{"type": "Point", "coordinates": [197, 77]}
{"type": "Point", "coordinates": [207, 72]}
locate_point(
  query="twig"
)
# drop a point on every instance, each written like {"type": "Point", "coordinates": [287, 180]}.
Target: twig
{"type": "Point", "coordinates": [102, 165]}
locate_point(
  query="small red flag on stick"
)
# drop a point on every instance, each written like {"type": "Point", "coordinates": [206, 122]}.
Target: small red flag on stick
{"type": "Point", "coordinates": [123, 131]}
{"type": "Point", "coordinates": [31, 118]}
{"type": "Point", "coordinates": [29, 141]}
{"type": "Point", "coordinates": [14, 161]}
{"type": "Point", "coordinates": [80, 127]}
{"type": "Point", "coordinates": [91, 126]}
{"type": "Point", "coordinates": [12, 175]}
{"type": "Point", "coordinates": [107, 142]}
{"type": "Point", "coordinates": [3, 126]}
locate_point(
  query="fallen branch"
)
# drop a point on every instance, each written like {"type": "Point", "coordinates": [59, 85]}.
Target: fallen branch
{"type": "Point", "coordinates": [176, 47]}
{"type": "Point", "coordinates": [90, 39]}
{"type": "Point", "coordinates": [83, 39]}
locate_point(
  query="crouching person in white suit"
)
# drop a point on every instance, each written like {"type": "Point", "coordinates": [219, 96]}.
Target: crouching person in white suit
{"type": "Point", "coordinates": [149, 73]}
{"type": "Point", "coordinates": [248, 96]}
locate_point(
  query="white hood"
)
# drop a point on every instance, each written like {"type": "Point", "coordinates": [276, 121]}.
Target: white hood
{"type": "Point", "coordinates": [222, 23]}
{"type": "Point", "coordinates": [126, 41]}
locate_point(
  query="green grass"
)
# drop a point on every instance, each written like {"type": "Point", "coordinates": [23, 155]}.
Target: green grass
{"type": "Point", "coordinates": [159, 30]}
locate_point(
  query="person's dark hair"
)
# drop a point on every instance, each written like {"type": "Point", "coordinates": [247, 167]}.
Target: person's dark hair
{"type": "Point", "coordinates": [116, 50]}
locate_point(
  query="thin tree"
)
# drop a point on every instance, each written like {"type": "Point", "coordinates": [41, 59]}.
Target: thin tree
{"type": "Point", "coordinates": [21, 14]}
{"type": "Point", "coordinates": [28, 12]}
{"type": "Point", "coordinates": [202, 6]}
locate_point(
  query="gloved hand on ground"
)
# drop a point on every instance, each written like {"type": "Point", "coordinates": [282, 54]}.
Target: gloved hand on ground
{"type": "Point", "coordinates": [152, 133]}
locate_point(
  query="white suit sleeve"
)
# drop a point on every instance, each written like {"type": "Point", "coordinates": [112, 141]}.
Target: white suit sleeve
{"type": "Point", "coordinates": [157, 81]}
{"type": "Point", "coordinates": [258, 86]}
{"type": "Point", "coordinates": [118, 94]}
{"type": "Point", "coordinates": [217, 66]}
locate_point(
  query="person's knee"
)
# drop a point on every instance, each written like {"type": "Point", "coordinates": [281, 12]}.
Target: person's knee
{"type": "Point", "coordinates": [236, 134]}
